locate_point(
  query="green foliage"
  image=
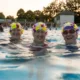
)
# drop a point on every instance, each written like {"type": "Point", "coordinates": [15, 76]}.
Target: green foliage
{"type": "Point", "coordinates": [39, 16]}
{"type": "Point", "coordinates": [54, 8]}
{"type": "Point", "coordinates": [2, 15]}
{"type": "Point", "coordinates": [73, 5]}
{"type": "Point", "coordinates": [10, 17]}
{"type": "Point", "coordinates": [29, 15]}
{"type": "Point", "coordinates": [20, 14]}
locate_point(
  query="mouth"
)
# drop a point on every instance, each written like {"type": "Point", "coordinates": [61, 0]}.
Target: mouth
{"type": "Point", "coordinates": [69, 37]}
{"type": "Point", "coordinates": [40, 38]}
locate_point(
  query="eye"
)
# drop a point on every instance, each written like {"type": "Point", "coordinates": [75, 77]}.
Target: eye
{"type": "Point", "coordinates": [65, 32]}
{"type": "Point", "coordinates": [72, 31]}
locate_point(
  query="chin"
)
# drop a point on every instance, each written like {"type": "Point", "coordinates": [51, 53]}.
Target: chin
{"type": "Point", "coordinates": [69, 42]}
{"type": "Point", "coordinates": [41, 41]}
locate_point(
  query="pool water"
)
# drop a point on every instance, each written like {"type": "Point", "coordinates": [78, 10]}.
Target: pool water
{"type": "Point", "coordinates": [16, 62]}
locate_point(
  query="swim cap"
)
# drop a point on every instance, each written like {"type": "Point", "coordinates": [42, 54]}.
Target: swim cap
{"type": "Point", "coordinates": [69, 25]}
{"type": "Point", "coordinates": [39, 26]}
{"type": "Point", "coordinates": [16, 26]}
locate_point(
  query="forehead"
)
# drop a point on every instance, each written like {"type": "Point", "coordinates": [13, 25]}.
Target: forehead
{"type": "Point", "coordinates": [68, 27]}
{"type": "Point", "coordinates": [16, 29]}
{"type": "Point", "coordinates": [69, 30]}
{"type": "Point", "coordinates": [40, 31]}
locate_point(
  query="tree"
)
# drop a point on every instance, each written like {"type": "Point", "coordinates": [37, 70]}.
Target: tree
{"type": "Point", "coordinates": [10, 17]}
{"type": "Point", "coordinates": [49, 11]}
{"type": "Point", "coordinates": [2, 15]}
{"type": "Point", "coordinates": [29, 15]}
{"type": "Point", "coordinates": [72, 5]}
{"type": "Point", "coordinates": [20, 14]}
{"type": "Point", "coordinates": [39, 15]}
{"type": "Point", "coordinates": [53, 9]}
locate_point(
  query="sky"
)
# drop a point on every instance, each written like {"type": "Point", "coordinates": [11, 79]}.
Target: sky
{"type": "Point", "coordinates": [10, 7]}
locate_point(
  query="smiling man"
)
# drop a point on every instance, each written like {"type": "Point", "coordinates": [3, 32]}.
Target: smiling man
{"type": "Point", "coordinates": [70, 33]}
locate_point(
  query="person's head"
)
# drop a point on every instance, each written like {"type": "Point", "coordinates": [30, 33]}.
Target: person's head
{"type": "Point", "coordinates": [70, 33]}
{"type": "Point", "coordinates": [39, 32]}
{"type": "Point", "coordinates": [16, 31]}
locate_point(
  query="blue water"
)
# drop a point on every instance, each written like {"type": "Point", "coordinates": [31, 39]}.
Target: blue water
{"type": "Point", "coordinates": [57, 64]}
{"type": "Point", "coordinates": [71, 76]}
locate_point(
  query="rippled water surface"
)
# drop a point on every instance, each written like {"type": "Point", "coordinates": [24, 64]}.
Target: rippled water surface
{"type": "Point", "coordinates": [17, 62]}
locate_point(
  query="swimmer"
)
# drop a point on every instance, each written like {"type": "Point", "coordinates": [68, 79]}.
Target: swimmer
{"type": "Point", "coordinates": [39, 32]}
{"type": "Point", "coordinates": [16, 31]}
{"type": "Point", "coordinates": [70, 35]}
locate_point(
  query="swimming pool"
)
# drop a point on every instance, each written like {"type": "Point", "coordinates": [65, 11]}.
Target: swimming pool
{"type": "Point", "coordinates": [18, 64]}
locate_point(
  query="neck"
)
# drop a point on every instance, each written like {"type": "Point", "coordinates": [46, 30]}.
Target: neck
{"type": "Point", "coordinates": [38, 43]}
{"type": "Point", "coordinates": [15, 40]}
{"type": "Point", "coordinates": [71, 43]}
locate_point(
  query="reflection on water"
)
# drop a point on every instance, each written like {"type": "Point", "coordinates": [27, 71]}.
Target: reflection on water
{"type": "Point", "coordinates": [17, 62]}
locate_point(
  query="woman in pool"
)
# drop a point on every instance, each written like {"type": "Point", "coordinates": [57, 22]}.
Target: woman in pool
{"type": "Point", "coordinates": [39, 34]}
{"type": "Point", "coordinates": [70, 35]}
{"type": "Point", "coordinates": [16, 31]}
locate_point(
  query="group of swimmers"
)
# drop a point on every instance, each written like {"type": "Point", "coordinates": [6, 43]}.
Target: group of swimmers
{"type": "Point", "coordinates": [39, 31]}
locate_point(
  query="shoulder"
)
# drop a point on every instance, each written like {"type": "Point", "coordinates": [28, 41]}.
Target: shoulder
{"type": "Point", "coordinates": [45, 45]}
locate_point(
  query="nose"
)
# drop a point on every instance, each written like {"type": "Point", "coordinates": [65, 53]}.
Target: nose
{"type": "Point", "coordinates": [68, 33]}
{"type": "Point", "coordinates": [40, 33]}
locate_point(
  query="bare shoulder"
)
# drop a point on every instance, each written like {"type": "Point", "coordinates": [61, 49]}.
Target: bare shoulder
{"type": "Point", "coordinates": [78, 45]}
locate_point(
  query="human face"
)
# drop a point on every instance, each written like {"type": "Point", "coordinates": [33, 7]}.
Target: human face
{"type": "Point", "coordinates": [70, 36]}
{"type": "Point", "coordinates": [39, 36]}
{"type": "Point", "coordinates": [16, 33]}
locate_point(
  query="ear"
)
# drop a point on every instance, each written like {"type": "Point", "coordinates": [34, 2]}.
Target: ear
{"type": "Point", "coordinates": [62, 34]}
{"type": "Point", "coordinates": [10, 31]}
{"type": "Point", "coordinates": [33, 34]}
{"type": "Point", "coordinates": [45, 33]}
{"type": "Point", "coordinates": [76, 34]}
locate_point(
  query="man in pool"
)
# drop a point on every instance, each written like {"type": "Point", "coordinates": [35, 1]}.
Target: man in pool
{"type": "Point", "coordinates": [70, 34]}
{"type": "Point", "coordinates": [39, 34]}
{"type": "Point", "coordinates": [16, 31]}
